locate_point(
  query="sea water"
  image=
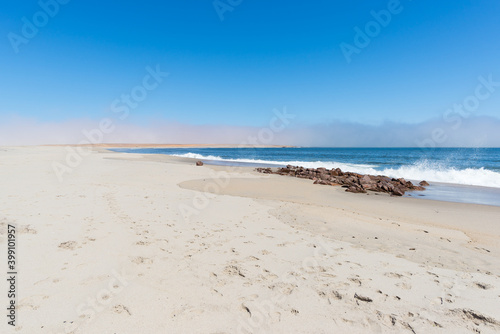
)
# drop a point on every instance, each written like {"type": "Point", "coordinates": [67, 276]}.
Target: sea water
{"type": "Point", "coordinates": [470, 175]}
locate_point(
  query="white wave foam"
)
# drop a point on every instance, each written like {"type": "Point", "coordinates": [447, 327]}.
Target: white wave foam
{"type": "Point", "coordinates": [422, 170]}
{"type": "Point", "coordinates": [470, 176]}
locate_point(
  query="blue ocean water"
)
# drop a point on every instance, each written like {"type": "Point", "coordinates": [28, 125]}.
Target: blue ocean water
{"type": "Point", "coordinates": [478, 167]}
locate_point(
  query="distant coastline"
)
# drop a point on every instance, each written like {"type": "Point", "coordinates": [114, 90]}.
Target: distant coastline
{"type": "Point", "coordinates": [119, 145]}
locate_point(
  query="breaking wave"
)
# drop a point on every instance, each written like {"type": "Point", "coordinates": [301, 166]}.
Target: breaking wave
{"type": "Point", "coordinates": [421, 170]}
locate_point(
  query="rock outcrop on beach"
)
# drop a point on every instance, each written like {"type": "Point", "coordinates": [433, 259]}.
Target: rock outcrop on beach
{"type": "Point", "coordinates": [354, 182]}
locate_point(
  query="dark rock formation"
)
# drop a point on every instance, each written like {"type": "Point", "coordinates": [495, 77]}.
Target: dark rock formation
{"type": "Point", "coordinates": [353, 182]}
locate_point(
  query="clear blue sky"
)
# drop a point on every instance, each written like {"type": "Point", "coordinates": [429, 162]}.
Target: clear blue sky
{"type": "Point", "coordinates": [263, 55]}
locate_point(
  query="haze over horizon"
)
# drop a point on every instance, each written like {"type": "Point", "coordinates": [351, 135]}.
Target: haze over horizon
{"type": "Point", "coordinates": [347, 74]}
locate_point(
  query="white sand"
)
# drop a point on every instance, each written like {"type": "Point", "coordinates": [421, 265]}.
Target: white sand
{"type": "Point", "coordinates": [129, 245]}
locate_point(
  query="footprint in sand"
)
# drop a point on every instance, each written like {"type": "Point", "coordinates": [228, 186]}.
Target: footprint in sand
{"type": "Point", "coordinates": [404, 286]}
{"type": "Point", "coordinates": [233, 270]}
{"type": "Point", "coordinates": [483, 286]}
{"type": "Point", "coordinates": [121, 309]}
{"type": "Point", "coordinates": [141, 260]}
{"type": "Point", "coordinates": [32, 302]}
{"type": "Point", "coordinates": [26, 229]}
{"type": "Point", "coordinates": [268, 276]}
{"type": "Point", "coordinates": [68, 245]}
{"type": "Point", "coordinates": [327, 275]}
{"type": "Point", "coordinates": [355, 280]}
{"type": "Point", "coordinates": [283, 288]}
{"type": "Point", "coordinates": [330, 295]}
{"type": "Point", "coordinates": [393, 275]}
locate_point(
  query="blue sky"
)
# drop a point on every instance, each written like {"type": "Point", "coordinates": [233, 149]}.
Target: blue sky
{"type": "Point", "coordinates": [262, 55]}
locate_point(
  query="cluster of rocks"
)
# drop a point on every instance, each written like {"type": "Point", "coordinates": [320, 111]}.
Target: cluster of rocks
{"type": "Point", "coordinates": [355, 183]}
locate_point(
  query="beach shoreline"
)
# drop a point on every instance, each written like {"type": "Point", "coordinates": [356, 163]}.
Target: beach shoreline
{"type": "Point", "coordinates": [226, 249]}
{"type": "Point", "coordinates": [439, 191]}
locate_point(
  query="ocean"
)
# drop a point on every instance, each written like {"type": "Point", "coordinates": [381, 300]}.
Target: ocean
{"type": "Point", "coordinates": [470, 175]}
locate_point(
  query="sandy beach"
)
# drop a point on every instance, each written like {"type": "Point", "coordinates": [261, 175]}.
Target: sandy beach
{"type": "Point", "coordinates": [130, 243]}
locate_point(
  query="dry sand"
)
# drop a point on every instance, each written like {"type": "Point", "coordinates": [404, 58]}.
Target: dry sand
{"type": "Point", "coordinates": [154, 244]}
